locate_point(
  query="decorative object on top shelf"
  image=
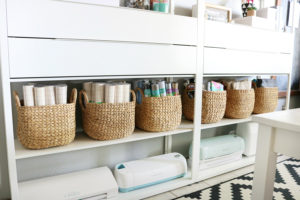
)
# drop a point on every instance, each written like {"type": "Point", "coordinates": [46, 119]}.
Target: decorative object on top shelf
{"type": "Point", "coordinates": [150, 171]}
{"type": "Point", "coordinates": [251, 11]}
{"type": "Point", "coordinates": [246, 5]}
{"type": "Point", "coordinates": [215, 12]}
{"type": "Point", "coordinates": [141, 4]}
{"type": "Point", "coordinates": [158, 113]}
{"type": "Point", "coordinates": [107, 121]}
{"type": "Point", "coordinates": [47, 126]}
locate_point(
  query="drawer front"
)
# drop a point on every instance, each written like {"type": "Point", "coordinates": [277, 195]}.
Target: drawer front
{"type": "Point", "coordinates": [224, 61]}
{"type": "Point", "coordinates": [56, 58]}
{"type": "Point", "coordinates": [73, 20]}
{"type": "Point", "coordinates": [233, 36]}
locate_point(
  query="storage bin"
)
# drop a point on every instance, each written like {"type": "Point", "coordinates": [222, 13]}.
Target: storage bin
{"type": "Point", "coordinates": [213, 106]}
{"type": "Point", "coordinates": [107, 121]}
{"type": "Point", "coordinates": [158, 113]}
{"type": "Point", "coordinates": [240, 103]}
{"type": "Point", "coordinates": [187, 106]}
{"type": "Point", "coordinates": [42, 127]}
{"type": "Point", "coordinates": [266, 100]}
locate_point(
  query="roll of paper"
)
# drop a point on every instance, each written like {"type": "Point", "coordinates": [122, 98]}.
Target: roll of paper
{"type": "Point", "coordinates": [50, 95]}
{"type": "Point", "coordinates": [61, 94]}
{"type": "Point", "coordinates": [119, 94]}
{"type": "Point", "coordinates": [39, 96]}
{"type": "Point", "coordinates": [126, 92]}
{"type": "Point", "coordinates": [110, 93]}
{"type": "Point", "coordinates": [98, 92]}
{"type": "Point", "coordinates": [87, 86]}
{"type": "Point", "coordinates": [28, 95]}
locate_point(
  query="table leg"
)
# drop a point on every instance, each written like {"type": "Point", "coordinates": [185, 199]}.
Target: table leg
{"type": "Point", "coordinates": [265, 165]}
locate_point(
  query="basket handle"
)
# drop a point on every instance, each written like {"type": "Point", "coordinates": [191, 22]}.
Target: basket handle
{"type": "Point", "coordinates": [133, 96]}
{"type": "Point", "coordinates": [73, 96]}
{"type": "Point", "coordinates": [142, 92]}
{"type": "Point", "coordinates": [17, 99]}
{"type": "Point", "coordinates": [82, 95]}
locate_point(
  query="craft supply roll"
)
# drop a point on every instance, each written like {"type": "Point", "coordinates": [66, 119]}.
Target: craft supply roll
{"type": "Point", "coordinates": [110, 93]}
{"type": "Point", "coordinates": [119, 93]}
{"type": "Point", "coordinates": [61, 94]}
{"type": "Point", "coordinates": [49, 95]}
{"type": "Point", "coordinates": [39, 96]}
{"type": "Point", "coordinates": [126, 92]}
{"type": "Point", "coordinates": [98, 92]}
{"type": "Point", "coordinates": [87, 86]}
{"type": "Point", "coordinates": [28, 95]}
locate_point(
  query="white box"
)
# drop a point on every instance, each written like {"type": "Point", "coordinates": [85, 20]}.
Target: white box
{"type": "Point", "coordinates": [114, 3]}
{"type": "Point", "coordinates": [257, 22]}
{"type": "Point", "coordinates": [249, 132]}
{"type": "Point", "coordinates": [97, 183]}
{"type": "Point", "coordinates": [268, 13]}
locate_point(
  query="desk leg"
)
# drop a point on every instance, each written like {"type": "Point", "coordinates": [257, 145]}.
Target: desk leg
{"type": "Point", "coordinates": [265, 165]}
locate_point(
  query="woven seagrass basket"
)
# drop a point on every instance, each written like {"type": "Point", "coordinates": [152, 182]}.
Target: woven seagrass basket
{"type": "Point", "coordinates": [187, 106]}
{"type": "Point", "coordinates": [213, 106]}
{"type": "Point", "coordinates": [158, 113]}
{"type": "Point", "coordinates": [240, 103]}
{"type": "Point", "coordinates": [107, 121]}
{"type": "Point", "coordinates": [42, 127]}
{"type": "Point", "coordinates": [266, 100]}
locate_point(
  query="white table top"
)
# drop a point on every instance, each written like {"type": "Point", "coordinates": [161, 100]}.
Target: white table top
{"type": "Point", "coordinates": [287, 119]}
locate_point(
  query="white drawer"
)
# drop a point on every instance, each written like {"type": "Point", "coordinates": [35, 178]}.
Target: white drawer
{"type": "Point", "coordinates": [234, 36]}
{"type": "Point", "coordinates": [225, 61]}
{"type": "Point", "coordinates": [73, 20]}
{"type": "Point", "coordinates": [56, 58]}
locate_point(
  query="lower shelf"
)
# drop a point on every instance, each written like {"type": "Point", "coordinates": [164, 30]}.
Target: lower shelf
{"type": "Point", "coordinates": [84, 142]}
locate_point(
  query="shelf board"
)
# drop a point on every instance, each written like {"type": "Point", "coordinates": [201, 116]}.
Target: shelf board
{"type": "Point", "coordinates": [156, 189]}
{"type": "Point", "coordinates": [225, 122]}
{"type": "Point", "coordinates": [82, 142]}
{"type": "Point", "coordinates": [222, 169]}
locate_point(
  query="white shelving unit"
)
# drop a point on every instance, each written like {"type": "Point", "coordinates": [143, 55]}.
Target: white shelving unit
{"type": "Point", "coordinates": [57, 40]}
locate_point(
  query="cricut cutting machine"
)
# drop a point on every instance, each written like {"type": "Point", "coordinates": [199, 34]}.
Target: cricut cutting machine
{"type": "Point", "coordinates": [97, 183]}
{"type": "Point", "coordinates": [219, 150]}
{"type": "Point", "coordinates": [150, 171]}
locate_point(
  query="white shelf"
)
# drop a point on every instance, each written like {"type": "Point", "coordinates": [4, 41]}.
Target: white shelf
{"type": "Point", "coordinates": [208, 173]}
{"type": "Point", "coordinates": [82, 141]}
{"type": "Point", "coordinates": [225, 122]}
{"type": "Point", "coordinates": [156, 189]}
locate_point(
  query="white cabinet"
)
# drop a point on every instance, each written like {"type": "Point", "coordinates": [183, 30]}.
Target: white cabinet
{"type": "Point", "coordinates": [226, 61]}
{"type": "Point", "coordinates": [65, 19]}
{"type": "Point", "coordinates": [58, 58]}
{"type": "Point", "coordinates": [239, 37]}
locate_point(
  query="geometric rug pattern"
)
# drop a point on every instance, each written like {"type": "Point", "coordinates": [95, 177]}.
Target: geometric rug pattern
{"type": "Point", "coordinates": [286, 187]}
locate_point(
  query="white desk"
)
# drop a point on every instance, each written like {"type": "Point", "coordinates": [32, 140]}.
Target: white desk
{"type": "Point", "coordinates": [279, 132]}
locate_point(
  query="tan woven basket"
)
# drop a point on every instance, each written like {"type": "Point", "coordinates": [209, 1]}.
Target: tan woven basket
{"type": "Point", "coordinates": [42, 127]}
{"type": "Point", "coordinates": [240, 103]}
{"type": "Point", "coordinates": [158, 113]}
{"type": "Point", "coordinates": [187, 106]}
{"type": "Point", "coordinates": [266, 100]}
{"type": "Point", "coordinates": [213, 106]}
{"type": "Point", "coordinates": [107, 121]}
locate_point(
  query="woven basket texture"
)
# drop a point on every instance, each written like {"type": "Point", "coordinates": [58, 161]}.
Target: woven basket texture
{"type": "Point", "coordinates": [187, 106]}
{"type": "Point", "coordinates": [266, 100]}
{"type": "Point", "coordinates": [157, 114]}
{"type": "Point", "coordinates": [213, 106]}
{"type": "Point", "coordinates": [41, 127]}
{"type": "Point", "coordinates": [240, 103]}
{"type": "Point", "coordinates": [107, 121]}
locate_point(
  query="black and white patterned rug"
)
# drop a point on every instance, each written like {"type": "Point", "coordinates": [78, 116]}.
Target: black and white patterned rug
{"type": "Point", "coordinates": [286, 187]}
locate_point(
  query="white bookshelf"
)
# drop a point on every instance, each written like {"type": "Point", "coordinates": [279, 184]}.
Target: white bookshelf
{"type": "Point", "coordinates": [49, 41]}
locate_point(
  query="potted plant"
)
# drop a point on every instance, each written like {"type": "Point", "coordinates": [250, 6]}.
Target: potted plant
{"type": "Point", "coordinates": [251, 11]}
